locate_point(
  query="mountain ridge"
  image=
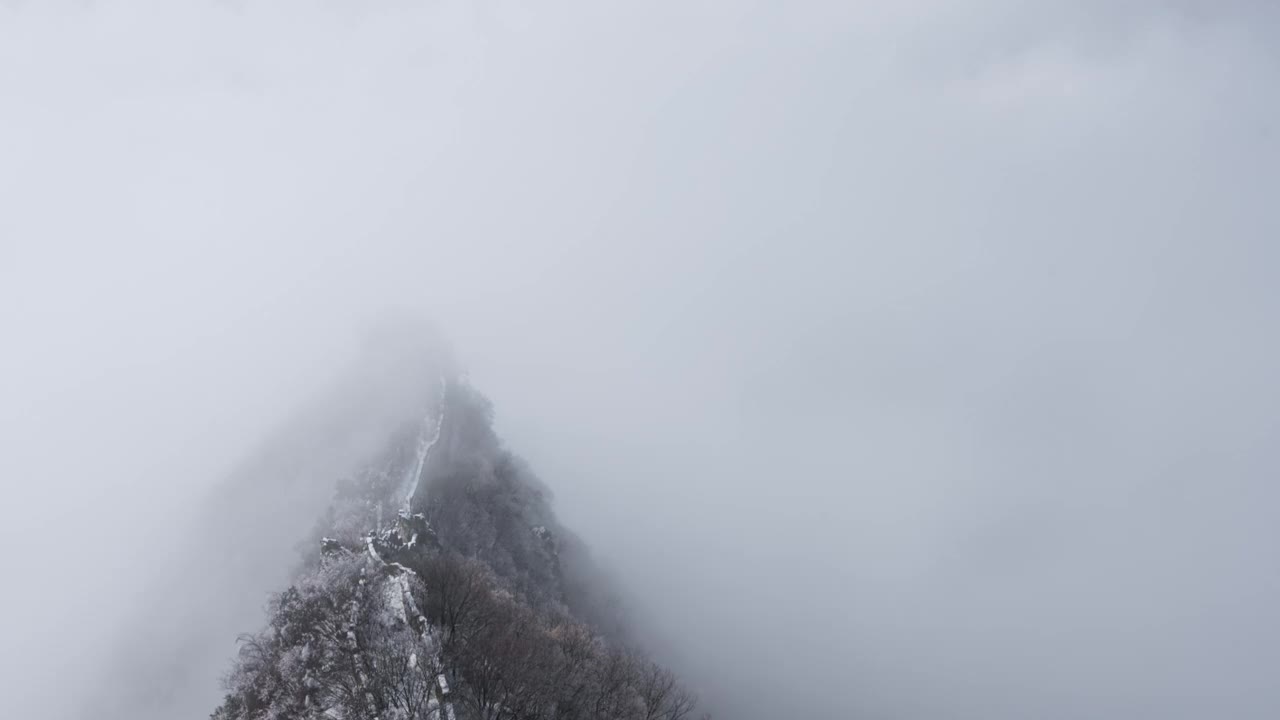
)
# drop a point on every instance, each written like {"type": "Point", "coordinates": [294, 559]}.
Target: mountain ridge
{"type": "Point", "coordinates": [440, 584]}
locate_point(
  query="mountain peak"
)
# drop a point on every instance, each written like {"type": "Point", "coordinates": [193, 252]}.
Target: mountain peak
{"type": "Point", "coordinates": [439, 584]}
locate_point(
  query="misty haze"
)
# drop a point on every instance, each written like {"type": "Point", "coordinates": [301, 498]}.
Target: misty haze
{"type": "Point", "coordinates": [566, 360]}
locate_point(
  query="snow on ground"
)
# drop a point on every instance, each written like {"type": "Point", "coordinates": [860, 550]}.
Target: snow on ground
{"type": "Point", "coordinates": [393, 591]}
{"type": "Point", "coordinates": [373, 551]}
{"type": "Point", "coordinates": [411, 481]}
{"type": "Point", "coordinates": [397, 592]}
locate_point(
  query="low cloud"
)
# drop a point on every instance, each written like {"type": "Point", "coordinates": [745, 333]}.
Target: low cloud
{"type": "Point", "coordinates": [903, 361]}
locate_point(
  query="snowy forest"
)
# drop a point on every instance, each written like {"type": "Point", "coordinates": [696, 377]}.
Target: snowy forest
{"type": "Point", "coordinates": [439, 585]}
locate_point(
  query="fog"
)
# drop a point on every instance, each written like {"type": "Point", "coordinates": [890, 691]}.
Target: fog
{"type": "Point", "coordinates": [901, 359]}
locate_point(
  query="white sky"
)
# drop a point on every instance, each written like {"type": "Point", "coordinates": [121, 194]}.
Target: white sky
{"type": "Point", "coordinates": [917, 355]}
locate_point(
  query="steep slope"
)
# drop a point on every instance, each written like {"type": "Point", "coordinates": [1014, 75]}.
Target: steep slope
{"type": "Point", "coordinates": [439, 584]}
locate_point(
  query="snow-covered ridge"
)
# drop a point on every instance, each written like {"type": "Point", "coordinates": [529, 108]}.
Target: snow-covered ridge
{"type": "Point", "coordinates": [424, 619]}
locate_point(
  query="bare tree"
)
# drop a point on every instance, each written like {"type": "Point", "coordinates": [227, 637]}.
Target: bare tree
{"type": "Point", "coordinates": [576, 652]}
{"type": "Point", "coordinates": [507, 663]}
{"type": "Point", "coordinates": [457, 595]}
{"type": "Point", "coordinates": [612, 691]}
{"type": "Point", "coordinates": [661, 694]}
{"type": "Point", "coordinates": [402, 676]}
